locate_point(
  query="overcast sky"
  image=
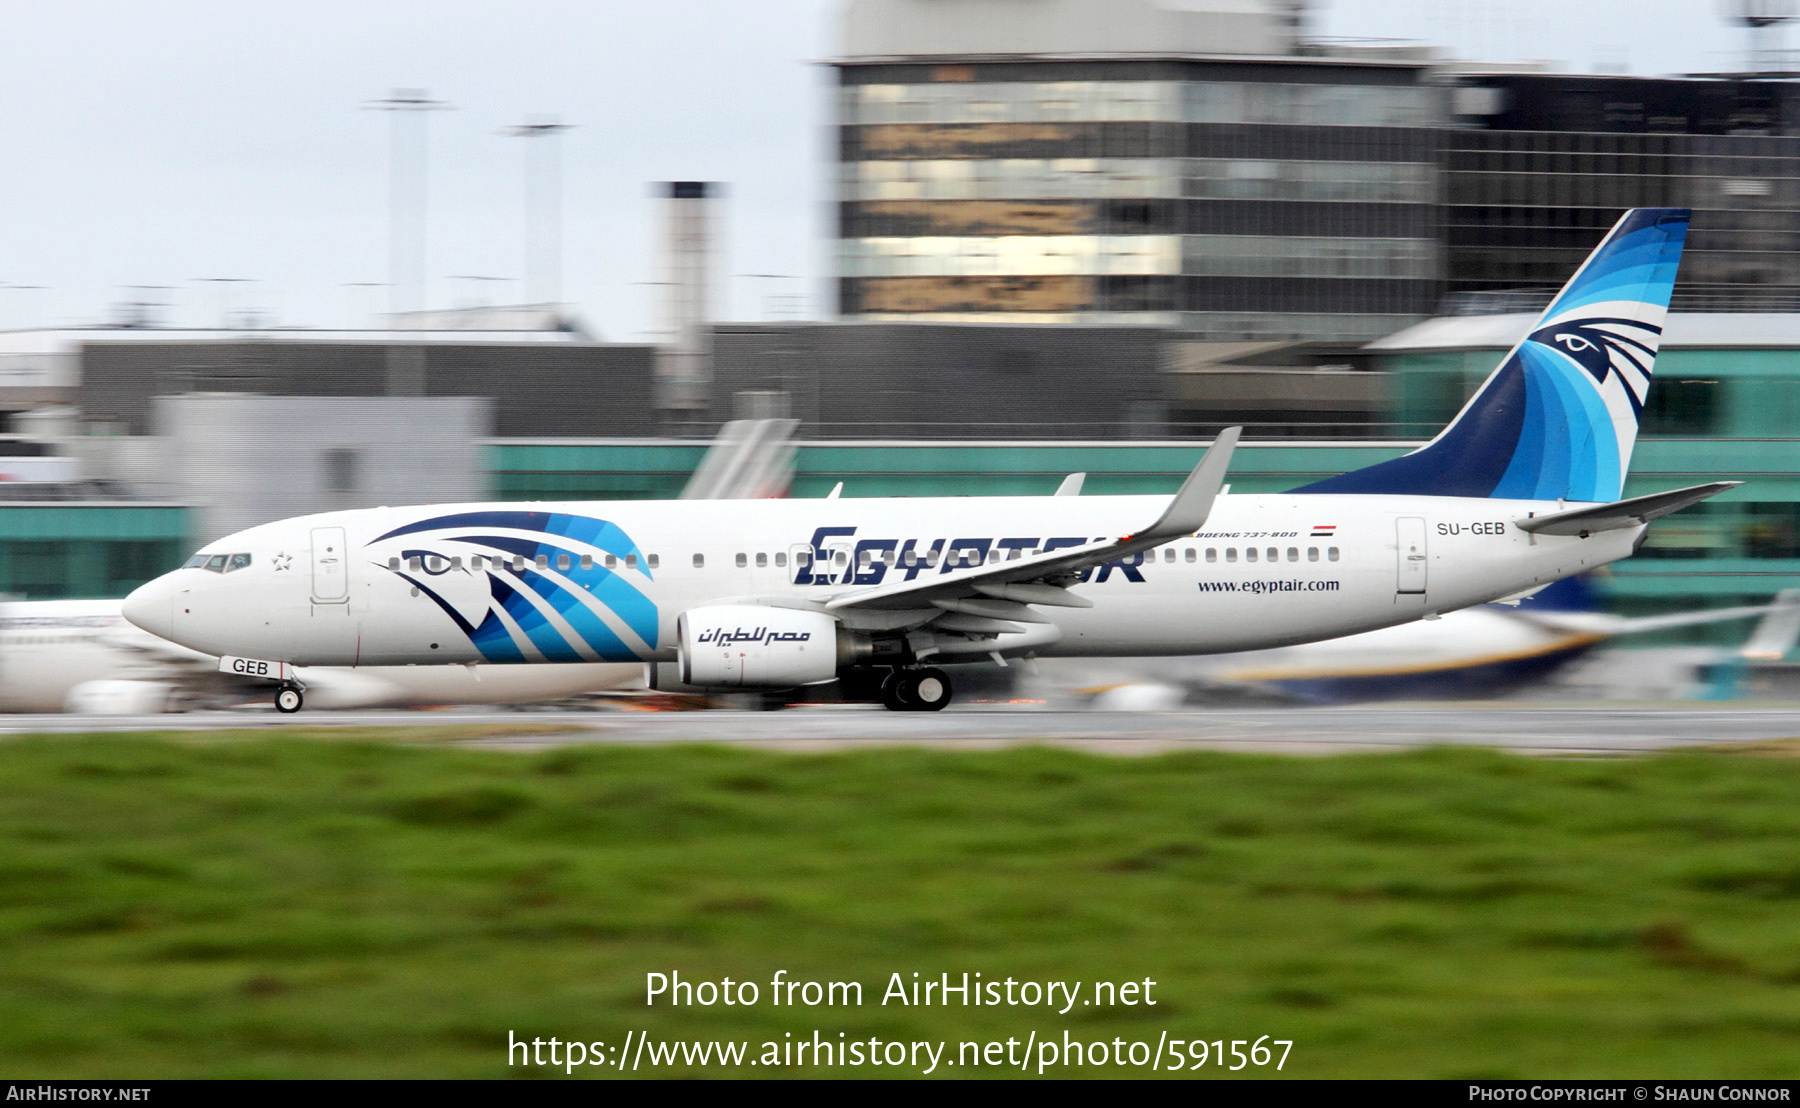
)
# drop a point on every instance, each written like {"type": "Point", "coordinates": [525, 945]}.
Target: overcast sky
{"type": "Point", "coordinates": [164, 144]}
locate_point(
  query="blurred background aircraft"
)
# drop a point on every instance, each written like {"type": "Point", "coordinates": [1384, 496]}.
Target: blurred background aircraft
{"type": "Point", "coordinates": [1479, 653]}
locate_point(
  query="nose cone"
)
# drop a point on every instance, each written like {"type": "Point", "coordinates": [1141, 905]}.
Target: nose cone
{"type": "Point", "coordinates": [151, 607]}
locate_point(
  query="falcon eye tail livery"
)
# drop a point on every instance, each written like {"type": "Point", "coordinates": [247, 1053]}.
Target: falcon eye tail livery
{"type": "Point", "coordinates": [1558, 418]}
{"type": "Point", "coordinates": [1522, 489]}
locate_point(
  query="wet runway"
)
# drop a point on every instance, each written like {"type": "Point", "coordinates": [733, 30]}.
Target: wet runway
{"type": "Point", "coordinates": [1593, 728]}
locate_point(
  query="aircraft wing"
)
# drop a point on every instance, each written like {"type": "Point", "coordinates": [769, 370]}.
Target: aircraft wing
{"type": "Point", "coordinates": [750, 459]}
{"type": "Point", "coordinates": [1005, 590]}
{"type": "Point", "coordinates": [1780, 623]}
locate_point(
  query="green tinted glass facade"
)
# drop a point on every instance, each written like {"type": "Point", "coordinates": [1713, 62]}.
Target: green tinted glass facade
{"type": "Point", "coordinates": [1714, 414]}
{"type": "Point", "coordinates": [75, 551]}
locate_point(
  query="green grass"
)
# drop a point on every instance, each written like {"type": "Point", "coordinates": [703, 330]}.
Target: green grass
{"type": "Point", "coordinates": [284, 906]}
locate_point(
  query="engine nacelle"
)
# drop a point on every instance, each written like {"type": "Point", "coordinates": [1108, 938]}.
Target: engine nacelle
{"type": "Point", "coordinates": [120, 698]}
{"type": "Point", "coordinates": [734, 646]}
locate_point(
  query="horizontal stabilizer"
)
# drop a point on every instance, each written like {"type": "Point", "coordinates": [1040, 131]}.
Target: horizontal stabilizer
{"type": "Point", "coordinates": [1635, 512]}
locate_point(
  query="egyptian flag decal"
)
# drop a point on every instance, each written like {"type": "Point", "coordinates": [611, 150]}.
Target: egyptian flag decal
{"type": "Point", "coordinates": [1324, 530]}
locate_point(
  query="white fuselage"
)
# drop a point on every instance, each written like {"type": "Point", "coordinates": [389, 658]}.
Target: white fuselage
{"type": "Point", "coordinates": [1266, 570]}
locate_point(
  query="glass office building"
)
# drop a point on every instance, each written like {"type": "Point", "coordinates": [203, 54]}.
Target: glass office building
{"type": "Point", "coordinates": [1540, 165]}
{"type": "Point", "coordinates": [1240, 200]}
{"type": "Point", "coordinates": [1184, 172]}
{"type": "Point", "coordinates": [1190, 166]}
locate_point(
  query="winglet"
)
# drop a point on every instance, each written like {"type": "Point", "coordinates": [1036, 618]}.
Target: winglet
{"type": "Point", "coordinates": [1071, 485]}
{"type": "Point", "coordinates": [1188, 511]}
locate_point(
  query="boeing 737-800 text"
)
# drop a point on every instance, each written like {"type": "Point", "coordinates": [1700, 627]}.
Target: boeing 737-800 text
{"type": "Point", "coordinates": [1520, 490]}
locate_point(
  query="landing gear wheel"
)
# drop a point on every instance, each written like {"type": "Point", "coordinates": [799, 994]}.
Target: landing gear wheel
{"type": "Point", "coordinates": [288, 700]}
{"type": "Point", "coordinates": [927, 690]}
{"type": "Point", "coordinates": [893, 692]}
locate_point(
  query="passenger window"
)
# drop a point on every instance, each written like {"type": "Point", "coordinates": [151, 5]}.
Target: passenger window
{"type": "Point", "coordinates": [1189, 553]}
{"type": "Point", "coordinates": [1169, 554]}
{"type": "Point", "coordinates": [1231, 553]}
{"type": "Point", "coordinates": [840, 558]}
{"type": "Point", "coordinates": [476, 561]}
{"type": "Point", "coordinates": [456, 562]}
{"type": "Point", "coordinates": [654, 561]}
{"type": "Point", "coordinates": [1332, 553]}
{"type": "Point", "coordinates": [415, 563]}
{"type": "Point", "coordinates": [699, 561]}
{"type": "Point", "coordinates": [612, 562]}
{"type": "Point", "coordinates": [780, 558]}
{"type": "Point", "coordinates": [216, 563]}
{"type": "Point", "coordinates": [394, 563]}
{"type": "Point", "coordinates": [1293, 553]}
{"type": "Point", "coordinates": [1273, 554]}
{"type": "Point", "coordinates": [1212, 553]}
{"type": "Point", "coordinates": [910, 558]}
{"type": "Point", "coordinates": [803, 558]}
{"type": "Point", "coordinates": [1312, 553]}
{"type": "Point", "coordinates": [587, 561]}
{"type": "Point", "coordinates": [931, 557]}
{"type": "Point", "coordinates": [864, 559]}
{"type": "Point", "coordinates": [562, 563]}
{"type": "Point", "coordinates": [543, 561]}
{"type": "Point", "coordinates": [743, 561]}
{"type": "Point", "coordinates": [1249, 553]}
{"type": "Point", "coordinates": [631, 561]}
{"type": "Point", "coordinates": [762, 560]}
{"type": "Point", "coordinates": [518, 563]}
{"type": "Point", "coordinates": [238, 561]}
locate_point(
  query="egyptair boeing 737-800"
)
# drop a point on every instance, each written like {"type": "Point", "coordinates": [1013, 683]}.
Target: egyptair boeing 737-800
{"type": "Point", "coordinates": [1520, 490]}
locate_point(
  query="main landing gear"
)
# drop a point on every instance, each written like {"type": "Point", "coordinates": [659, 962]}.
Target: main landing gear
{"type": "Point", "coordinates": [916, 690]}
{"type": "Point", "coordinates": [288, 699]}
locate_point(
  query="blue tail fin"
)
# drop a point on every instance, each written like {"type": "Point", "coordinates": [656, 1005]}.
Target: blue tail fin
{"type": "Point", "coordinates": [1558, 418]}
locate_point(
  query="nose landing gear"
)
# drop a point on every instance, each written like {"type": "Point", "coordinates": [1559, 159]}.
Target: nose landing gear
{"type": "Point", "coordinates": [288, 699]}
{"type": "Point", "coordinates": [916, 690]}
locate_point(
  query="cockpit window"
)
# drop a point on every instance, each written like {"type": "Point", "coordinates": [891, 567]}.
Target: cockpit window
{"type": "Point", "coordinates": [195, 562]}
{"type": "Point", "coordinates": [216, 563]}
{"type": "Point", "coordinates": [238, 561]}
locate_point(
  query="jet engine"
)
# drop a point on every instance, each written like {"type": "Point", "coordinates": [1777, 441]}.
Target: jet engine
{"type": "Point", "coordinates": [756, 646]}
{"type": "Point", "coordinates": [120, 698]}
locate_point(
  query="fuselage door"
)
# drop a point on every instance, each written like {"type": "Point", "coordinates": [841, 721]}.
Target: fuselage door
{"type": "Point", "coordinates": [833, 564]}
{"type": "Point", "coordinates": [330, 579]}
{"type": "Point", "coordinates": [1410, 549]}
{"type": "Point", "coordinates": [800, 567]}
